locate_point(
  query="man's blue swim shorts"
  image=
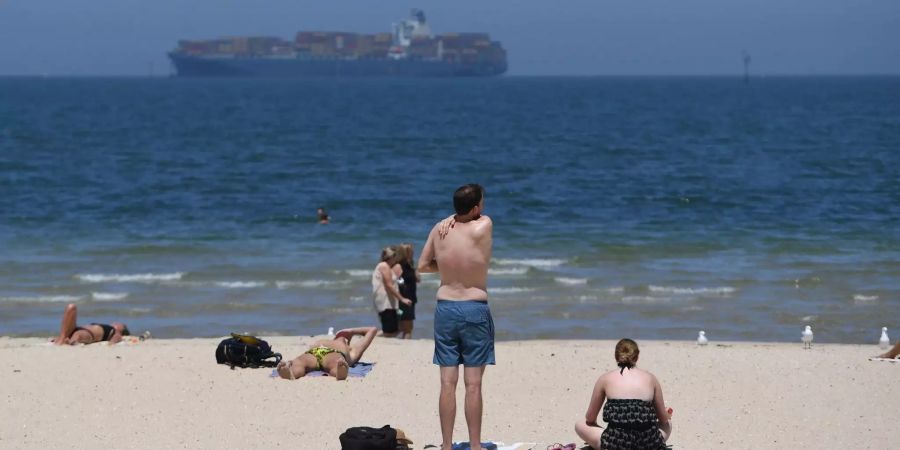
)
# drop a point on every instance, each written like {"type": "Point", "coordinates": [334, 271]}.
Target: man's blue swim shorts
{"type": "Point", "coordinates": [463, 333]}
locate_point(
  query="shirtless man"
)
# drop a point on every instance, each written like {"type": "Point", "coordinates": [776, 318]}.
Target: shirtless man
{"type": "Point", "coordinates": [459, 248]}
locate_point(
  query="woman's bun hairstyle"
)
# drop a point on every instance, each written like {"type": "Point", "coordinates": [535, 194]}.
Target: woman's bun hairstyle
{"type": "Point", "coordinates": [627, 353]}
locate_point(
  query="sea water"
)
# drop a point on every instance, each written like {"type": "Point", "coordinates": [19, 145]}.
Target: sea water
{"type": "Point", "coordinates": [641, 207]}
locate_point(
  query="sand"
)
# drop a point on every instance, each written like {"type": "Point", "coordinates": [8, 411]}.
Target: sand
{"type": "Point", "coordinates": [171, 394]}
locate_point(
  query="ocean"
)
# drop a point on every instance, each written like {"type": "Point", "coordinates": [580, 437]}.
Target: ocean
{"type": "Point", "coordinates": [647, 207]}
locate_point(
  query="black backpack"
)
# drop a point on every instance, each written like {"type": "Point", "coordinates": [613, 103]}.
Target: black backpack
{"type": "Point", "coordinates": [246, 351]}
{"type": "Point", "coordinates": [368, 438]}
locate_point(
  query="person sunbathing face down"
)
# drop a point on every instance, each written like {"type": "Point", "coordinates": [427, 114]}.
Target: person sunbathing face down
{"type": "Point", "coordinates": [332, 356]}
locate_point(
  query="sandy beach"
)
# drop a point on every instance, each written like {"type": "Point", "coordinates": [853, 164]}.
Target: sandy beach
{"type": "Point", "coordinates": [171, 394]}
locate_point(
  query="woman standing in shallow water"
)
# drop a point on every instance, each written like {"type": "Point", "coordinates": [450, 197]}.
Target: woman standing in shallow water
{"type": "Point", "coordinates": [635, 412]}
{"type": "Point", "coordinates": [407, 278]}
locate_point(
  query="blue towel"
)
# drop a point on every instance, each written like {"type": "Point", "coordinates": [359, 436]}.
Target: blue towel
{"type": "Point", "coordinates": [360, 370]}
{"type": "Point", "coordinates": [465, 446]}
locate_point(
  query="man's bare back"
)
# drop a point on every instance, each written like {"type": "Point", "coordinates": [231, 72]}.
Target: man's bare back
{"type": "Point", "coordinates": [462, 257]}
{"type": "Point", "coordinates": [459, 247]}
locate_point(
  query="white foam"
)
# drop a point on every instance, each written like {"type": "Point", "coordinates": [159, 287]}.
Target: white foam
{"type": "Point", "coordinates": [129, 278]}
{"type": "Point", "coordinates": [616, 290]}
{"type": "Point", "coordinates": [140, 310]}
{"type": "Point", "coordinates": [724, 290]}
{"type": "Point", "coordinates": [43, 299]}
{"type": "Point", "coordinates": [864, 298]}
{"type": "Point", "coordinates": [359, 272]}
{"type": "Point", "coordinates": [357, 298]}
{"type": "Point", "coordinates": [309, 283]}
{"type": "Point", "coordinates": [530, 262]}
{"type": "Point", "coordinates": [509, 290]}
{"type": "Point", "coordinates": [240, 284]}
{"type": "Point", "coordinates": [808, 318]}
{"type": "Point", "coordinates": [588, 298]}
{"type": "Point", "coordinates": [644, 300]}
{"type": "Point", "coordinates": [509, 271]}
{"type": "Point", "coordinates": [108, 296]}
{"type": "Point", "coordinates": [570, 281]}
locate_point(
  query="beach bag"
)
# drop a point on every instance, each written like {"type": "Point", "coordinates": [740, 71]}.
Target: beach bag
{"type": "Point", "coordinates": [246, 351]}
{"type": "Point", "coordinates": [368, 438]}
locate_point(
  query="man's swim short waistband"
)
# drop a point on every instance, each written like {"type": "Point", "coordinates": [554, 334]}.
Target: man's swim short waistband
{"type": "Point", "coordinates": [483, 302]}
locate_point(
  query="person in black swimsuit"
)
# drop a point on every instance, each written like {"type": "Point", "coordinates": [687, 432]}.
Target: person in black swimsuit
{"type": "Point", "coordinates": [633, 407]}
{"type": "Point", "coordinates": [70, 333]}
{"type": "Point", "coordinates": [408, 279]}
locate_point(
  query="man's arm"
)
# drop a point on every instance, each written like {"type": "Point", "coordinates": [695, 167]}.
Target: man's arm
{"type": "Point", "coordinates": [427, 261]}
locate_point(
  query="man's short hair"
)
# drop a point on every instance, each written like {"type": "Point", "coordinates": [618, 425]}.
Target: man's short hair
{"type": "Point", "coordinates": [467, 197]}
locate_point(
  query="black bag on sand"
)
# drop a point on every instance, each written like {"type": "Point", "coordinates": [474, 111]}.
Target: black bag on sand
{"type": "Point", "coordinates": [368, 438]}
{"type": "Point", "coordinates": [246, 351]}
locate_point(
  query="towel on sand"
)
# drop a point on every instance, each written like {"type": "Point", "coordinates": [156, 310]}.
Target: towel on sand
{"type": "Point", "coordinates": [492, 445]}
{"type": "Point", "coordinates": [467, 446]}
{"type": "Point", "coordinates": [893, 360]}
{"type": "Point", "coordinates": [360, 370]}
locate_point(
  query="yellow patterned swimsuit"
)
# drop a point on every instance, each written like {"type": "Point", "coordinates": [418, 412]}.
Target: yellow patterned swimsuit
{"type": "Point", "coordinates": [320, 352]}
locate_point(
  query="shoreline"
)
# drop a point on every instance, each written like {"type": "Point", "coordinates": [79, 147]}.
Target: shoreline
{"type": "Point", "coordinates": [170, 393]}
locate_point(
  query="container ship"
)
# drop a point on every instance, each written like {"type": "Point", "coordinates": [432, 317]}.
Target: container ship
{"type": "Point", "coordinates": [410, 50]}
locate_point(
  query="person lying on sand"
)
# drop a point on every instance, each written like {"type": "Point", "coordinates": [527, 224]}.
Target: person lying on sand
{"type": "Point", "coordinates": [332, 356]}
{"type": "Point", "coordinates": [70, 333]}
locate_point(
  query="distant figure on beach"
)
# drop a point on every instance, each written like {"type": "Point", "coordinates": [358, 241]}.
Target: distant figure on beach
{"type": "Point", "coordinates": [70, 333]}
{"type": "Point", "coordinates": [322, 215]}
{"type": "Point", "coordinates": [385, 294]}
{"type": "Point", "coordinates": [332, 356]}
{"type": "Point", "coordinates": [459, 248]}
{"type": "Point", "coordinates": [892, 353]}
{"type": "Point", "coordinates": [408, 278]}
{"type": "Point", "coordinates": [635, 412]}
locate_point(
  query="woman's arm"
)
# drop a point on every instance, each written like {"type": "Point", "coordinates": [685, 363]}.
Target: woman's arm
{"type": "Point", "coordinates": [359, 347]}
{"type": "Point", "coordinates": [116, 337]}
{"type": "Point", "coordinates": [659, 404]}
{"type": "Point", "coordinates": [598, 396]}
{"type": "Point", "coordinates": [389, 286]}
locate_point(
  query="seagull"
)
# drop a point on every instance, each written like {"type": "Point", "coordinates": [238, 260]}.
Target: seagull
{"type": "Point", "coordinates": [884, 342]}
{"type": "Point", "coordinates": [807, 337]}
{"type": "Point", "coordinates": [331, 331]}
{"type": "Point", "coordinates": [701, 338]}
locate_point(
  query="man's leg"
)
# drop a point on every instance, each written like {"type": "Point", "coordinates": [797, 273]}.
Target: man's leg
{"type": "Point", "coordinates": [472, 378]}
{"type": "Point", "coordinates": [67, 325]}
{"type": "Point", "coordinates": [447, 404]}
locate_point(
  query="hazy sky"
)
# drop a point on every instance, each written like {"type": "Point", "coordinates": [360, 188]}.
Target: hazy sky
{"type": "Point", "coordinates": [542, 37]}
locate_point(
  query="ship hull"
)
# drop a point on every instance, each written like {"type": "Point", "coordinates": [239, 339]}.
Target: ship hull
{"type": "Point", "coordinates": [198, 66]}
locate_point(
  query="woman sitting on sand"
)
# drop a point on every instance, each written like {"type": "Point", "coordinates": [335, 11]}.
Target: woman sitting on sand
{"type": "Point", "coordinates": [635, 413]}
{"type": "Point", "coordinates": [70, 333]}
{"type": "Point", "coordinates": [332, 356]}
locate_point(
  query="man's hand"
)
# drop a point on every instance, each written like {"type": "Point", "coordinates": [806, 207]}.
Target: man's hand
{"type": "Point", "coordinates": [406, 301]}
{"type": "Point", "coordinates": [445, 226]}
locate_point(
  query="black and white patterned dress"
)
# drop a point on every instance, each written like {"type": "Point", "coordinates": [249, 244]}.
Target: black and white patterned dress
{"type": "Point", "coordinates": [632, 425]}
